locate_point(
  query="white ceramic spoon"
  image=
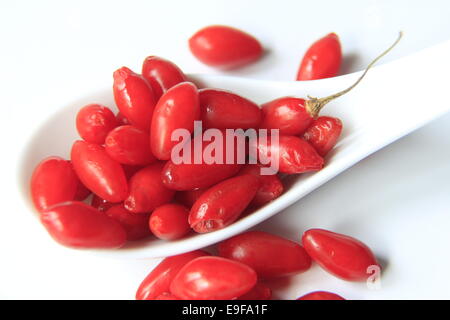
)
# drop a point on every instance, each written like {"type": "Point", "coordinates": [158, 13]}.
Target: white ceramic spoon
{"type": "Point", "coordinates": [393, 100]}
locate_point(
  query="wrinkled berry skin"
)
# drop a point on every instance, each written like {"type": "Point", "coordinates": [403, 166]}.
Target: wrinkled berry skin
{"type": "Point", "coordinates": [323, 134]}
{"type": "Point", "coordinates": [222, 204]}
{"type": "Point", "coordinates": [94, 122]}
{"type": "Point", "coordinates": [295, 155]}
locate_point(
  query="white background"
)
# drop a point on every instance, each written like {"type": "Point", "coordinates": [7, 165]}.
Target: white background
{"type": "Point", "coordinates": [397, 200]}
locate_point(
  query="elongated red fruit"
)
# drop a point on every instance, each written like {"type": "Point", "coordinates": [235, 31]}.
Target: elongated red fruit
{"type": "Point", "coordinates": [134, 97]}
{"type": "Point", "coordinates": [213, 278]}
{"type": "Point", "coordinates": [225, 110]}
{"type": "Point", "coordinates": [287, 114]}
{"type": "Point", "coordinates": [323, 134]}
{"type": "Point", "coordinates": [224, 47]}
{"type": "Point", "coordinates": [159, 279]}
{"type": "Point", "coordinates": [259, 292]}
{"type": "Point", "coordinates": [169, 221]}
{"type": "Point", "coordinates": [222, 204]}
{"type": "Point", "coordinates": [98, 172]}
{"type": "Point", "coordinates": [270, 186]}
{"type": "Point", "coordinates": [322, 60]}
{"type": "Point", "coordinates": [191, 174]}
{"type": "Point", "coordinates": [76, 224]}
{"type": "Point", "coordinates": [94, 121]}
{"type": "Point", "coordinates": [321, 295]}
{"type": "Point", "coordinates": [161, 74]}
{"type": "Point", "coordinates": [147, 192]}
{"type": "Point", "coordinates": [178, 108]}
{"type": "Point", "coordinates": [269, 255]}
{"type": "Point", "coordinates": [135, 225]}
{"type": "Point", "coordinates": [53, 181]}
{"type": "Point", "coordinates": [129, 145]}
{"type": "Point", "coordinates": [341, 255]}
{"type": "Point", "coordinates": [295, 155]}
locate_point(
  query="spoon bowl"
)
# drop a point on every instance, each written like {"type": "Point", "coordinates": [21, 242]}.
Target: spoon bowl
{"type": "Point", "coordinates": [393, 100]}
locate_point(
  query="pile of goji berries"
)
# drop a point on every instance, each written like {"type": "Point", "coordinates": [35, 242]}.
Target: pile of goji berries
{"type": "Point", "coordinates": [122, 183]}
{"type": "Point", "coordinates": [245, 262]}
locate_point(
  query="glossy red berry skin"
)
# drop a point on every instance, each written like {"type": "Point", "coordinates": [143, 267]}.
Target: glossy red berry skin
{"type": "Point", "coordinates": [147, 192]}
{"type": "Point", "coordinates": [169, 221]}
{"type": "Point", "coordinates": [323, 134]}
{"type": "Point", "coordinates": [135, 225]}
{"type": "Point", "coordinates": [270, 186]}
{"type": "Point", "coordinates": [134, 97]}
{"type": "Point", "coordinates": [322, 60]}
{"type": "Point", "coordinates": [213, 278]}
{"type": "Point", "coordinates": [259, 292]}
{"type": "Point", "coordinates": [98, 172]}
{"type": "Point", "coordinates": [225, 110]}
{"type": "Point", "coordinates": [129, 145]}
{"type": "Point", "coordinates": [287, 114]}
{"type": "Point", "coordinates": [94, 121]}
{"type": "Point", "coordinates": [161, 74]}
{"type": "Point", "coordinates": [341, 255]}
{"type": "Point", "coordinates": [189, 175]}
{"type": "Point", "coordinates": [269, 255]}
{"type": "Point", "coordinates": [159, 279]}
{"type": "Point", "coordinates": [321, 295]}
{"type": "Point", "coordinates": [223, 203]}
{"type": "Point", "coordinates": [78, 225]}
{"type": "Point", "coordinates": [178, 108]}
{"type": "Point", "coordinates": [192, 176]}
{"type": "Point", "coordinates": [224, 47]}
{"type": "Point", "coordinates": [53, 181]}
{"type": "Point", "coordinates": [295, 154]}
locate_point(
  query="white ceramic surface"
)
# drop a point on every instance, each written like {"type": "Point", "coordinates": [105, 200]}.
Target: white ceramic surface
{"type": "Point", "coordinates": [396, 200]}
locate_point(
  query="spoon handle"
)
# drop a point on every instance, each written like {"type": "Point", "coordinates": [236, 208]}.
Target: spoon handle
{"type": "Point", "coordinates": [398, 98]}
